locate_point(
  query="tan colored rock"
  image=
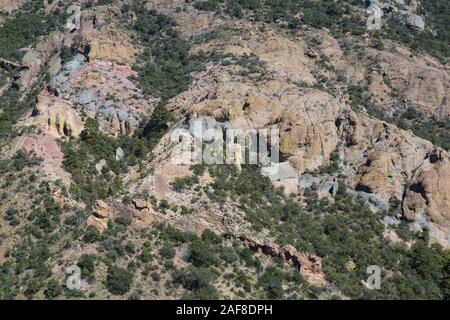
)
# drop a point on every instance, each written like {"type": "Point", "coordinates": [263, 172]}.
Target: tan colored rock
{"type": "Point", "coordinates": [392, 236]}
{"type": "Point", "coordinates": [101, 210]}
{"type": "Point", "coordinates": [10, 5]}
{"type": "Point", "coordinates": [100, 165]}
{"type": "Point", "coordinates": [110, 46]}
{"type": "Point", "coordinates": [350, 265]}
{"type": "Point", "coordinates": [429, 190]}
{"type": "Point", "coordinates": [425, 85]}
{"type": "Point", "coordinates": [261, 111]}
{"type": "Point", "coordinates": [140, 204]}
{"type": "Point", "coordinates": [101, 213]}
{"type": "Point", "coordinates": [100, 224]}
{"type": "Point", "coordinates": [92, 78]}
{"type": "Point", "coordinates": [310, 266]}
{"type": "Point", "coordinates": [344, 65]}
{"type": "Point", "coordinates": [35, 58]}
{"type": "Point", "coordinates": [56, 117]}
{"type": "Point", "coordinates": [380, 91]}
{"type": "Point", "coordinates": [378, 175]}
{"type": "Point", "coordinates": [308, 134]}
{"type": "Point", "coordinates": [378, 158]}
{"type": "Point", "coordinates": [218, 109]}
{"type": "Point", "coordinates": [284, 57]}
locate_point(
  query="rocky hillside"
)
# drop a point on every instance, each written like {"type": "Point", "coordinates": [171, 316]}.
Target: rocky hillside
{"type": "Point", "coordinates": [100, 102]}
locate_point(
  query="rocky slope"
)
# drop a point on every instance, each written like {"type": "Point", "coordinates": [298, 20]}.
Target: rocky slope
{"type": "Point", "coordinates": [90, 175]}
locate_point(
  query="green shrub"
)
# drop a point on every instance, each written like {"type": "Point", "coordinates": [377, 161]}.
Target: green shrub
{"type": "Point", "coordinates": [53, 289]}
{"type": "Point", "coordinates": [118, 280]}
{"type": "Point", "coordinates": [201, 254]}
{"type": "Point", "coordinates": [87, 265]}
{"type": "Point", "coordinates": [271, 281]}
{"type": "Point", "coordinates": [166, 65]}
{"type": "Point", "coordinates": [193, 278]}
{"type": "Point", "coordinates": [167, 251]}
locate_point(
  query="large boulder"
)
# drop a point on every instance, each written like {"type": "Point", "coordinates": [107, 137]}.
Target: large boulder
{"type": "Point", "coordinates": [429, 190]}
{"type": "Point", "coordinates": [416, 22]}
{"type": "Point", "coordinates": [101, 213]}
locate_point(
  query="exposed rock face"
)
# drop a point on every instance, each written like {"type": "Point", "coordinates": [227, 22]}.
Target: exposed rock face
{"type": "Point", "coordinates": [308, 133]}
{"type": "Point", "coordinates": [10, 5]}
{"type": "Point", "coordinates": [384, 156]}
{"type": "Point", "coordinates": [428, 195]}
{"type": "Point", "coordinates": [378, 175]}
{"type": "Point", "coordinates": [415, 21]}
{"type": "Point", "coordinates": [330, 48]}
{"type": "Point", "coordinates": [140, 204]}
{"type": "Point", "coordinates": [103, 90]}
{"type": "Point", "coordinates": [425, 85]}
{"type": "Point", "coordinates": [310, 266]}
{"type": "Point", "coordinates": [284, 58]}
{"type": "Point", "coordinates": [427, 198]}
{"type": "Point", "coordinates": [110, 46]}
{"type": "Point", "coordinates": [46, 148]}
{"type": "Point", "coordinates": [56, 117]}
{"type": "Point", "coordinates": [100, 215]}
{"type": "Point", "coordinates": [101, 210]}
{"type": "Point", "coordinates": [35, 58]}
{"type": "Point", "coordinates": [313, 124]}
{"type": "Point", "coordinates": [300, 87]}
{"type": "Point", "coordinates": [378, 158]}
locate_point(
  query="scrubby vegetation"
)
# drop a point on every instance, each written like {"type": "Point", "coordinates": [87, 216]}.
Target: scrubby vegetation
{"type": "Point", "coordinates": [344, 18]}
{"type": "Point", "coordinates": [161, 260]}
{"type": "Point", "coordinates": [435, 39]}
{"type": "Point", "coordinates": [422, 125]}
{"type": "Point", "coordinates": [24, 28]}
{"type": "Point", "coordinates": [336, 16]}
{"type": "Point", "coordinates": [165, 65]}
{"type": "Point", "coordinates": [435, 130]}
{"type": "Point", "coordinates": [82, 156]}
{"type": "Point", "coordinates": [341, 231]}
{"type": "Point", "coordinates": [13, 105]}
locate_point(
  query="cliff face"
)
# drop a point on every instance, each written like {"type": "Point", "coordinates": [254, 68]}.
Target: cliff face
{"type": "Point", "coordinates": [349, 113]}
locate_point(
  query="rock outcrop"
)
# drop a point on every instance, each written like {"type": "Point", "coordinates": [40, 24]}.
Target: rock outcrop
{"type": "Point", "coordinates": [9, 6]}
{"type": "Point", "coordinates": [100, 215]}
{"type": "Point", "coordinates": [310, 266]}
{"type": "Point", "coordinates": [425, 85]}
{"type": "Point", "coordinates": [427, 197]}
{"type": "Point", "coordinates": [35, 58]}
{"type": "Point", "coordinates": [108, 49]}
{"type": "Point", "coordinates": [103, 90]}
{"type": "Point", "coordinates": [56, 117]}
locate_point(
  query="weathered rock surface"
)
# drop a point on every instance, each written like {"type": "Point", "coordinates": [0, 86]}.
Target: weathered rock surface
{"type": "Point", "coordinates": [10, 5]}
{"type": "Point", "coordinates": [378, 158]}
{"type": "Point", "coordinates": [56, 117]}
{"type": "Point", "coordinates": [140, 204]}
{"type": "Point", "coordinates": [35, 58]}
{"type": "Point", "coordinates": [310, 266]}
{"type": "Point", "coordinates": [428, 195]}
{"type": "Point", "coordinates": [109, 45]}
{"type": "Point", "coordinates": [425, 84]}
{"type": "Point", "coordinates": [101, 213]}
{"type": "Point", "coordinates": [103, 90]}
